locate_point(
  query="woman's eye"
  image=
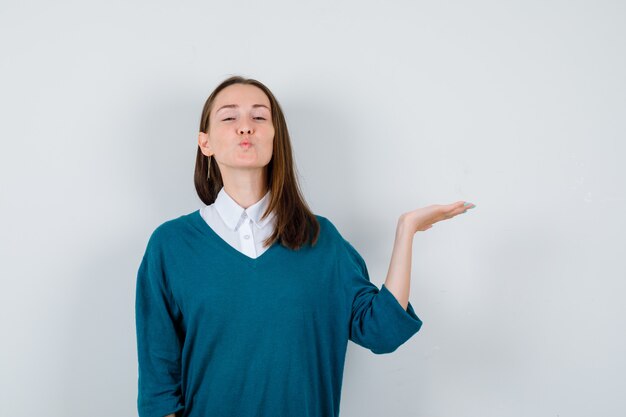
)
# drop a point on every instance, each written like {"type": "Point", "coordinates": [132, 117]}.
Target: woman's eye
{"type": "Point", "coordinates": [229, 118]}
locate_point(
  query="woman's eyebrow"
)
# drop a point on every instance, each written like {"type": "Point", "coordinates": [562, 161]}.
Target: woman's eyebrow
{"type": "Point", "coordinates": [236, 105]}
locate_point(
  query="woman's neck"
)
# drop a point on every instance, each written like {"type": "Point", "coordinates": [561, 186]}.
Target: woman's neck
{"type": "Point", "coordinates": [245, 194]}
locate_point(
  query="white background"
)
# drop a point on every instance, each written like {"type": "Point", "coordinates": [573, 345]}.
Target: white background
{"type": "Point", "coordinates": [518, 107]}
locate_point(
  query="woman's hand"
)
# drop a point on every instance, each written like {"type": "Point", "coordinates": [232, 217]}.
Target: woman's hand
{"type": "Point", "coordinates": [399, 275]}
{"type": "Point", "coordinates": [423, 219]}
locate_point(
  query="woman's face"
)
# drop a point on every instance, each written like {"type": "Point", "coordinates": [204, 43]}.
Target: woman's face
{"type": "Point", "coordinates": [241, 133]}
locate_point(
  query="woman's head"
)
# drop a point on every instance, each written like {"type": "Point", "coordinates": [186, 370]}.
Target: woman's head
{"type": "Point", "coordinates": [255, 118]}
{"type": "Point", "coordinates": [240, 132]}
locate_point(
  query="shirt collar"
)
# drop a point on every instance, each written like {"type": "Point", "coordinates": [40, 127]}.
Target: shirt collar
{"type": "Point", "coordinates": [231, 212]}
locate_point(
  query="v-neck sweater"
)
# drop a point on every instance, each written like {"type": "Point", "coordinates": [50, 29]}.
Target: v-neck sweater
{"type": "Point", "coordinates": [223, 334]}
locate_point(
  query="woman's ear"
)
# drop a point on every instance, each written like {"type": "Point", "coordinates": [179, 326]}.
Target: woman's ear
{"type": "Point", "coordinates": [203, 143]}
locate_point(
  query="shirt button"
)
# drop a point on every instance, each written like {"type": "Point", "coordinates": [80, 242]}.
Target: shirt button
{"type": "Point", "coordinates": [246, 236]}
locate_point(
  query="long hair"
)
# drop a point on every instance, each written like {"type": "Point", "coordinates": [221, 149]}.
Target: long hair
{"type": "Point", "coordinates": [295, 224]}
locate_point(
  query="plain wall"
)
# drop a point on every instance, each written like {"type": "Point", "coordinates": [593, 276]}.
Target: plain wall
{"type": "Point", "coordinates": [518, 107]}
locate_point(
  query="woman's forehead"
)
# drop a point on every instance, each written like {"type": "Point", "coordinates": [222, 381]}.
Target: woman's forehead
{"type": "Point", "coordinates": [241, 95]}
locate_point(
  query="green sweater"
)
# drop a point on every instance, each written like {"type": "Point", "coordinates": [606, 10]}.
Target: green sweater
{"type": "Point", "coordinates": [223, 334]}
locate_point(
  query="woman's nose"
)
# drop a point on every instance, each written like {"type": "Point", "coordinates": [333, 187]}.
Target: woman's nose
{"type": "Point", "coordinates": [244, 127]}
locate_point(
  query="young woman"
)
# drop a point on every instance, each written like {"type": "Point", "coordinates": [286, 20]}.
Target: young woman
{"type": "Point", "coordinates": [244, 307]}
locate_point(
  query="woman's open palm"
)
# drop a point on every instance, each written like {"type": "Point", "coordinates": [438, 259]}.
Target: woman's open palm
{"type": "Point", "coordinates": [423, 218]}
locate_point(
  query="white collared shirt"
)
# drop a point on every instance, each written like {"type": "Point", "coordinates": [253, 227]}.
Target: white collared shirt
{"type": "Point", "coordinates": [239, 227]}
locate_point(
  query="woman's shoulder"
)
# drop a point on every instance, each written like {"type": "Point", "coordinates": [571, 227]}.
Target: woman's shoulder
{"type": "Point", "coordinates": [329, 229]}
{"type": "Point", "coordinates": [171, 227]}
{"type": "Point", "coordinates": [326, 226]}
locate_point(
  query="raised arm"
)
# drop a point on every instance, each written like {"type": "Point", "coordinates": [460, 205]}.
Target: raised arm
{"type": "Point", "coordinates": [398, 280]}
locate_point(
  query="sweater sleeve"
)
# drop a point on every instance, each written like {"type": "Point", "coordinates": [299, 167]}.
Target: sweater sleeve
{"type": "Point", "coordinates": [158, 339]}
{"type": "Point", "coordinates": [378, 321]}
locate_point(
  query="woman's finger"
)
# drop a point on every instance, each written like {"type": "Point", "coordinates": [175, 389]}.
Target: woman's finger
{"type": "Point", "coordinates": [460, 207]}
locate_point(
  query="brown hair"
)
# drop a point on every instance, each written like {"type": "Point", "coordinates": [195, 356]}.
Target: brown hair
{"type": "Point", "coordinates": [295, 223]}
